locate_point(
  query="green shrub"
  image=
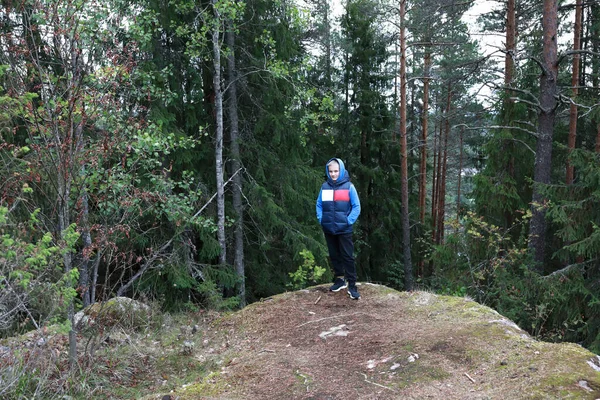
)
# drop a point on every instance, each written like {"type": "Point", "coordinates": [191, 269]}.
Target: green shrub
{"type": "Point", "coordinates": [307, 274]}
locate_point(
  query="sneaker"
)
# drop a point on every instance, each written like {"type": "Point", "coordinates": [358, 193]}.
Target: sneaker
{"type": "Point", "coordinates": [338, 285]}
{"type": "Point", "coordinates": [353, 292]}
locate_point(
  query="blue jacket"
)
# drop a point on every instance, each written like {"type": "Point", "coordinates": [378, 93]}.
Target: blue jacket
{"type": "Point", "coordinates": [338, 206]}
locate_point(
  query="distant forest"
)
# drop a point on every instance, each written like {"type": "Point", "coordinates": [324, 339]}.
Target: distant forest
{"type": "Point", "coordinates": [173, 150]}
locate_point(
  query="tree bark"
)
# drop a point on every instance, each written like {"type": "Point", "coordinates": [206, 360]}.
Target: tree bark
{"type": "Point", "coordinates": [598, 138]}
{"type": "Point", "coordinates": [460, 166]}
{"type": "Point", "coordinates": [443, 173]}
{"type": "Point", "coordinates": [434, 185]}
{"type": "Point", "coordinates": [574, 85]}
{"type": "Point", "coordinates": [86, 237]}
{"type": "Point", "coordinates": [509, 66]}
{"type": "Point", "coordinates": [424, 123]}
{"type": "Point", "coordinates": [219, 137]}
{"type": "Point", "coordinates": [543, 156]}
{"type": "Point", "coordinates": [594, 22]}
{"type": "Point", "coordinates": [408, 273]}
{"type": "Point", "coordinates": [510, 45]}
{"type": "Point", "coordinates": [327, 44]}
{"type": "Point", "coordinates": [436, 180]}
{"type": "Point", "coordinates": [236, 162]}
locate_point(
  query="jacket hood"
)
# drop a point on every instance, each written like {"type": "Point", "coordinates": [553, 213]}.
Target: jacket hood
{"type": "Point", "coordinates": [344, 176]}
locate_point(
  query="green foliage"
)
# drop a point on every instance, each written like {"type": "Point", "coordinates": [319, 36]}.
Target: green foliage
{"type": "Point", "coordinates": [395, 274]}
{"type": "Point", "coordinates": [142, 165]}
{"type": "Point", "coordinates": [574, 209]}
{"type": "Point", "coordinates": [307, 274]}
{"type": "Point", "coordinates": [36, 289]}
{"type": "Point", "coordinates": [483, 261]}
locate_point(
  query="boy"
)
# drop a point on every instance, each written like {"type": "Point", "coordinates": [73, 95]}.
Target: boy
{"type": "Point", "coordinates": [338, 208]}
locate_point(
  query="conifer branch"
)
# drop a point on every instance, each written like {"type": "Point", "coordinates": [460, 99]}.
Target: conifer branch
{"type": "Point", "coordinates": [568, 268]}
{"type": "Point", "coordinates": [155, 255]}
{"type": "Point", "coordinates": [574, 52]}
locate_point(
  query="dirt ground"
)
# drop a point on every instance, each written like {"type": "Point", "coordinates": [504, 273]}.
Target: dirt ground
{"type": "Point", "coordinates": [314, 344]}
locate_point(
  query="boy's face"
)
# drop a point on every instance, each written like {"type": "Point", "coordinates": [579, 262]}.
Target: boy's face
{"type": "Point", "coordinates": [334, 171]}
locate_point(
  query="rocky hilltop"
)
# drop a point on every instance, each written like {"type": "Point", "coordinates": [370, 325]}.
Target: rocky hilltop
{"type": "Point", "coordinates": [313, 344]}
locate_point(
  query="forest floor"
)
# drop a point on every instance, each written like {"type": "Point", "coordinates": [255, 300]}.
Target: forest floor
{"type": "Point", "coordinates": [309, 344]}
{"type": "Point", "coordinates": [315, 344]}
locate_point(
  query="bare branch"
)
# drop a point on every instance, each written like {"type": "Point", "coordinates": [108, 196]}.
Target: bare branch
{"type": "Point", "coordinates": [570, 100]}
{"type": "Point", "coordinates": [215, 195]}
{"type": "Point", "coordinates": [568, 268]}
{"type": "Point", "coordinates": [155, 255]}
{"type": "Point", "coordinates": [574, 52]}
{"type": "Point", "coordinates": [518, 128]}
{"type": "Point", "coordinates": [431, 44]}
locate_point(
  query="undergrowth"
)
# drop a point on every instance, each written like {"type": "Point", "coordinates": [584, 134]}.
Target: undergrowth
{"type": "Point", "coordinates": [485, 263]}
{"type": "Point", "coordinates": [121, 364]}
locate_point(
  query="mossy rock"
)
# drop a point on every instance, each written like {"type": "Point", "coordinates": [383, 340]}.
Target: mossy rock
{"type": "Point", "coordinates": [118, 311]}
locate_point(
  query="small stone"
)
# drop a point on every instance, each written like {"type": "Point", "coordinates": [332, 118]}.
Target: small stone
{"type": "Point", "coordinates": [187, 347]}
{"type": "Point", "coordinates": [584, 385]}
{"type": "Point", "coordinates": [503, 362]}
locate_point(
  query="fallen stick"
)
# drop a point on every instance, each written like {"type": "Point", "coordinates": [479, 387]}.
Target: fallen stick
{"type": "Point", "coordinates": [374, 383]}
{"type": "Point", "coordinates": [318, 299]}
{"type": "Point", "coordinates": [471, 379]}
{"type": "Point", "coordinates": [326, 318]}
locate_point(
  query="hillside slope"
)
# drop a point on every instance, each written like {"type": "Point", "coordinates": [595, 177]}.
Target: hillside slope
{"type": "Point", "coordinates": [313, 344]}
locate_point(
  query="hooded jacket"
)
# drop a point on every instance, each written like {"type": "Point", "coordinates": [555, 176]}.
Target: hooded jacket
{"type": "Point", "coordinates": [338, 205]}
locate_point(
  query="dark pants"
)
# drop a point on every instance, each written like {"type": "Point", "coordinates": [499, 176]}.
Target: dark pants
{"type": "Point", "coordinates": [341, 252]}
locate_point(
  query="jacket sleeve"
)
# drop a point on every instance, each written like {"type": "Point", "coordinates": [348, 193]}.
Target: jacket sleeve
{"type": "Point", "coordinates": [319, 206]}
{"type": "Point", "coordinates": [355, 203]}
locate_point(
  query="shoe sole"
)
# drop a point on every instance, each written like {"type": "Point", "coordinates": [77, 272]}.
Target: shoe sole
{"type": "Point", "coordinates": [337, 290]}
{"type": "Point", "coordinates": [352, 297]}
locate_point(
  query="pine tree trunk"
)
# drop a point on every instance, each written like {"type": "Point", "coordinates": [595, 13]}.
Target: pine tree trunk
{"type": "Point", "coordinates": [594, 22]}
{"type": "Point", "coordinates": [424, 123]}
{"type": "Point", "coordinates": [510, 45]}
{"type": "Point", "coordinates": [460, 167]}
{"type": "Point", "coordinates": [574, 84]}
{"type": "Point", "coordinates": [327, 45]}
{"type": "Point", "coordinates": [434, 184]}
{"type": "Point", "coordinates": [236, 162]}
{"type": "Point", "coordinates": [598, 138]}
{"type": "Point", "coordinates": [543, 156]}
{"type": "Point", "coordinates": [585, 43]}
{"type": "Point", "coordinates": [219, 138]}
{"type": "Point", "coordinates": [408, 273]}
{"type": "Point", "coordinates": [594, 36]}
{"type": "Point", "coordinates": [436, 181]}
{"type": "Point", "coordinates": [443, 174]}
